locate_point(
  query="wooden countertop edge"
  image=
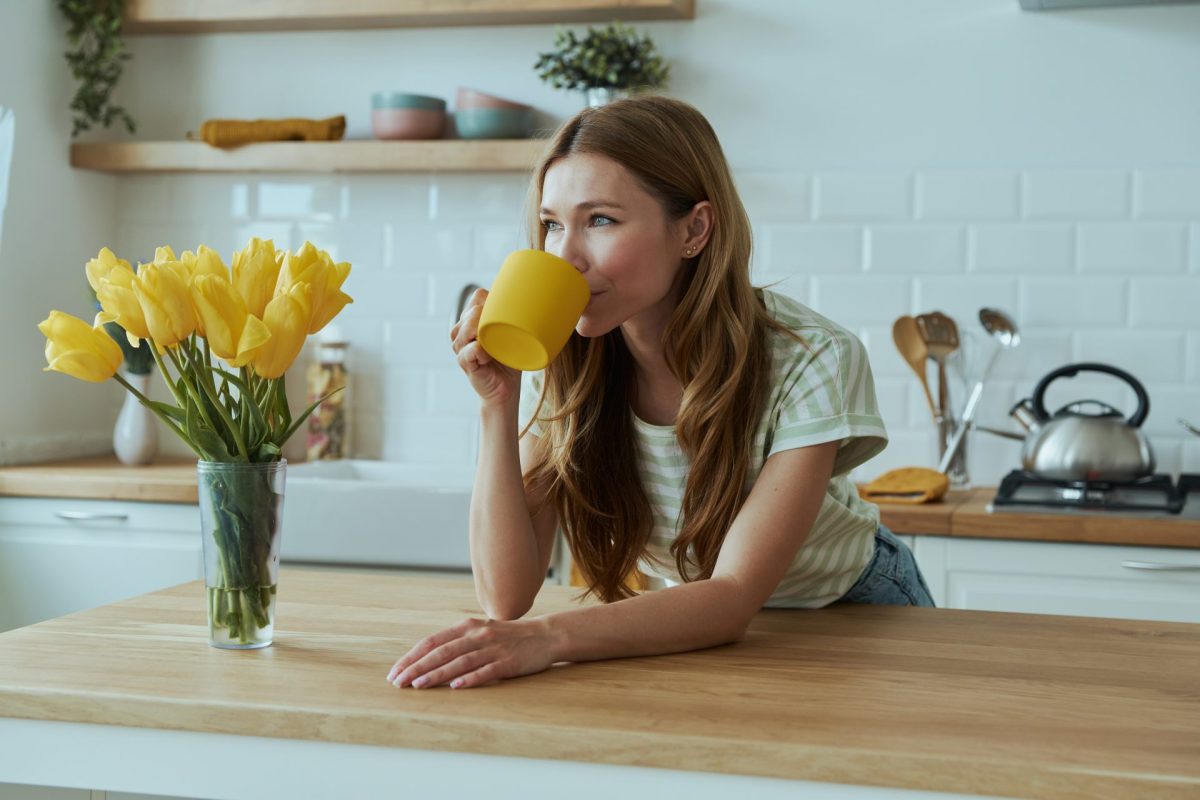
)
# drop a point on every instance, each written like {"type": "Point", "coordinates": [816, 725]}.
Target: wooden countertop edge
{"type": "Point", "coordinates": [167, 480]}
{"type": "Point", "coordinates": [962, 513]}
{"type": "Point", "coordinates": [623, 747]}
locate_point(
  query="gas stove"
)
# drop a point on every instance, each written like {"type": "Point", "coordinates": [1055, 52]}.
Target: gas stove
{"type": "Point", "coordinates": [1153, 495]}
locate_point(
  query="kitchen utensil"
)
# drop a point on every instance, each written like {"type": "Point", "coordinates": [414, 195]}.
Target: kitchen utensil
{"type": "Point", "coordinates": [911, 345]}
{"type": "Point", "coordinates": [1004, 331]}
{"type": "Point", "coordinates": [1190, 426]}
{"type": "Point", "coordinates": [532, 308]}
{"type": "Point", "coordinates": [941, 339]}
{"type": "Point", "coordinates": [997, 432]}
{"type": "Point", "coordinates": [1077, 445]}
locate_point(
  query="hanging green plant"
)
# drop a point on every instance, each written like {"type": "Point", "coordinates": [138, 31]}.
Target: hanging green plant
{"type": "Point", "coordinates": [613, 57]}
{"type": "Point", "coordinates": [97, 57]}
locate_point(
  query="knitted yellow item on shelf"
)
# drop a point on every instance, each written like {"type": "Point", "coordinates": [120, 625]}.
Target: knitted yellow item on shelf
{"type": "Point", "coordinates": [907, 485]}
{"type": "Point", "coordinates": [234, 132]}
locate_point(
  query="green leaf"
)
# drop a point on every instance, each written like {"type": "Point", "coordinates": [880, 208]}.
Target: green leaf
{"type": "Point", "coordinates": [208, 440]}
{"type": "Point", "coordinates": [283, 412]}
{"type": "Point", "coordinates": [256, 416]}
{"type": "Point", "coordinates": [287, 434]}
{"type": "Point", "coordinates": [267, 451]}
{"type": "Point", "coordinates": [192, 428]}
{"type": "Point", "coordinates": [174, 412]}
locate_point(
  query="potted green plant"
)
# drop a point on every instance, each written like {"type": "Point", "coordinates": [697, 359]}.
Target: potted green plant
{"type": "Point", "coordinates": [606, 63]}
{"type": "Point", "coordinates": [97, 57]}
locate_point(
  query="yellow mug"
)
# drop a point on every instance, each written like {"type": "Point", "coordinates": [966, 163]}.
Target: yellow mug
{"type": "Point", "coordinates": [534, 304]}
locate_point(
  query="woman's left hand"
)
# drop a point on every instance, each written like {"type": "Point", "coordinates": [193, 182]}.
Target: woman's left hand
{"type": "Point", "coordinates": [475, 653]}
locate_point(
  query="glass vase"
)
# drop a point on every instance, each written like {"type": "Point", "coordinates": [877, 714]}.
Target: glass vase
{"type": "Point", "coordinates": [241, 520]}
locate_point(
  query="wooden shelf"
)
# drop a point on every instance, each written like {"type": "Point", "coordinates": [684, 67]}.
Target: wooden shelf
{"type": "Point", "coordinates": [366, 155]}
{"type": "Point", "coordinates": [208, 16]}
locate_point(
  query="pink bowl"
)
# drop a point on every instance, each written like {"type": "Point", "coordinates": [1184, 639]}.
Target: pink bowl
{"type": "Point", "coordinates": [470, 98]}
{"type": "Point", "coordinates": [407, 123]}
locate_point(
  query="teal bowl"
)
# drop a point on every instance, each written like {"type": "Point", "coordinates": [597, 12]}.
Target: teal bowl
{"type": "Point", "coordinates": [401, 100]}
{"type": "Point", "coordinates": [493, 123]}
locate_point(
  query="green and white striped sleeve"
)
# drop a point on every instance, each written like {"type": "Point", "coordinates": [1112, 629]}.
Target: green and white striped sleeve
{"type": "Point", "coordinates": [826, 393]}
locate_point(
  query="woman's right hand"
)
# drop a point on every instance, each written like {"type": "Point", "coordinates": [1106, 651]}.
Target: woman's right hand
{"type": "Point", "coordinates": [491, 380]}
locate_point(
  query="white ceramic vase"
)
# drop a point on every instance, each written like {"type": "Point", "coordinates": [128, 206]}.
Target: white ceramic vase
{"type": "Point", "coordinates": [135, 437]}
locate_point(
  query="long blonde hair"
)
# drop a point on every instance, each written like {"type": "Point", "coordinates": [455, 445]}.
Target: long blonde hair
{"type": "Point", "coordinates": [715, 344]}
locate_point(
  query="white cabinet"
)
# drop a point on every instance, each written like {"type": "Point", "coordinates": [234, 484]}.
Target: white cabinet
{"type": "Point", "coordinates": [1090, 580]}
{"type": "Point", "coordinates": [58, 556]}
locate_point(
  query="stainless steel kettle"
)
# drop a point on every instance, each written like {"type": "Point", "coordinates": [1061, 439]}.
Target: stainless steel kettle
{"type": "Point", "coordinates": [1076, 444]}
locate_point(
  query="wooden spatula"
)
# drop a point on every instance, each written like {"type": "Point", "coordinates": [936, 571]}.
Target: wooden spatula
{"type": "Point", "coordinates": [940, 334]}
{"type": "Point", "coordinates": [911, 345]}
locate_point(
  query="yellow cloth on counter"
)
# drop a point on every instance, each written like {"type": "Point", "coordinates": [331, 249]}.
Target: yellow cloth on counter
{"type": "Point", "coordinates": [907, 485]}
{"type": "Point", "coordinates": [234, 132]}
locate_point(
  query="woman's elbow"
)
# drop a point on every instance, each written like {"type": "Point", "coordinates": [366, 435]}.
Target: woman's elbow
{"type": "Point", "coordinates": [504, 609]}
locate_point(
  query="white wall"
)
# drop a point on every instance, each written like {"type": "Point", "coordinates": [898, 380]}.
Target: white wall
{"type": "Point", "coordinates": [55, 219]}
{"type": "Point", "coordinates": [895, 157]}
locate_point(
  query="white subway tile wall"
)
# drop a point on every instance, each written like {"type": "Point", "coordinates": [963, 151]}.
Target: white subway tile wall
{"type": "Point", "coordinates": [1093, 264]}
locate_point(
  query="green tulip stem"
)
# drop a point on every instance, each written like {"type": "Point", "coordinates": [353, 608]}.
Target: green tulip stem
{"type": "Point", "coordinates": [162, 368]}
{"type": "Point", "coordinates": [190, 385]}
{"type": "Point", "coordinates": [166, 420]}
{"type": "Point", "coordinates": [208, 390]}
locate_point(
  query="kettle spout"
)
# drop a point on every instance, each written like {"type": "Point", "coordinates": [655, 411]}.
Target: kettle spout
{"type": "Point", "coordinates": [1023, 413]}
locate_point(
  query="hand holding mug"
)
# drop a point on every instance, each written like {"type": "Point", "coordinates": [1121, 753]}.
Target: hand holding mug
{"type": "Point", "coordinates": [493, 381]}
{"type": "Point", "coordinates": [521, 324]}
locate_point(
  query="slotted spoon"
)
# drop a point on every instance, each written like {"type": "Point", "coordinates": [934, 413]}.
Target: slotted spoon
{"type": "Point", "coordinates": [940, 334]}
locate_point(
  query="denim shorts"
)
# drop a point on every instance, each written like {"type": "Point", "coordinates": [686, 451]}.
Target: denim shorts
{"type": "Point", "coordinates": [892, 578]}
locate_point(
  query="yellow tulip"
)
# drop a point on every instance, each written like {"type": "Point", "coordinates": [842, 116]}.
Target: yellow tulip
{"type": "Point", "coordinates": [205, 261]}
{"type": "Point", "coordinates": [286, 317]}
{"type": "Point", "coordinates": [255, 272]}
{"type": "Point", "coordinates": [112, 280]}
{"type": "Point", "coordinates": [119, 304]}
{"type": "Point", "coordinates": [106, 266]}
{"type": "Point", "coordinates": [80, 350]}
{"type": "Point", "coordinates": [166, 301]}
{"type": "Point", "coordinates": [316, 268]}
{"type": "Point", "coordinates": [233, 334]}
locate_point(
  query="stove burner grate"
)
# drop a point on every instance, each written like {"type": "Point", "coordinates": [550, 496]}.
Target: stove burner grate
{"type": "Point", "coordinates": [1151, 493]}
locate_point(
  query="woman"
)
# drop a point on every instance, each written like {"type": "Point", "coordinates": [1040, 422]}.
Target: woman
{"type": "Point", "coordinates": [695, 427]}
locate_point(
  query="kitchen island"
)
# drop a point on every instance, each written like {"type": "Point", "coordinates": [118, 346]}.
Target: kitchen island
{"type": "Point", "coordinates": [130, 697]}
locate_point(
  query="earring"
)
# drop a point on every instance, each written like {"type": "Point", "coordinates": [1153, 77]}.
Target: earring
{"type": "Point", "coordinates": [689, 251]}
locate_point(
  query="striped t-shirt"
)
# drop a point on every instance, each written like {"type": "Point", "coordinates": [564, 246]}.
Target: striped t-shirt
{"type": "Point", "coordinates": [822, 391]}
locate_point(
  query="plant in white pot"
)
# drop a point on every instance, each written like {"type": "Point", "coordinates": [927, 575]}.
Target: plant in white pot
{"type": "Point", "coordinates": [607, 63]}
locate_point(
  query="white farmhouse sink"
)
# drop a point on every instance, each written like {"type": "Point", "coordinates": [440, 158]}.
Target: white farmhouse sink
{"type": "Point", "coordinates": [379, 513]}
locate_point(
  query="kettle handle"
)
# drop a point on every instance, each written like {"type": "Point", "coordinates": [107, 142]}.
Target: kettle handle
{"type": "Point", "coordinates": [1071, 370]}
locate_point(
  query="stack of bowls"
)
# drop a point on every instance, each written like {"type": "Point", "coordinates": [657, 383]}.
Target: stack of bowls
{"type": "Point", "coordinates": [485, 116]}
{"type": "Point", "coordinates": [395, 115]}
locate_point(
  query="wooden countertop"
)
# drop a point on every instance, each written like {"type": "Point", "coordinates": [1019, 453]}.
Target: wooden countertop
{"type": "Point", "coordinates": [965, 514]}
{"type": "Point", "coordinates": [167, 480]}
{"type": "Point", "coordinates": [965, 701]}
{"type": "Point", "coordinates": [961, 513]}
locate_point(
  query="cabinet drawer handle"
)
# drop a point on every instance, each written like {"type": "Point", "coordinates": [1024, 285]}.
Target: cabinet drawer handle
{"type": "Point", "coordinates": [1157, 565]}
{"type": "Point", "coordinates": [90, 516]}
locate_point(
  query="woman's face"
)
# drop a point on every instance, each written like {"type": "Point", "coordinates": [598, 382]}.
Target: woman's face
{"type": "Point", "coordinates": [597, 216]}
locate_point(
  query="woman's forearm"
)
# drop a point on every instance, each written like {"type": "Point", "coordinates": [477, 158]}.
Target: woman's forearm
{"type": "Point", "coordinates": [504, 551]}
{"type": "Point", "coordinates": [685, 617]}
